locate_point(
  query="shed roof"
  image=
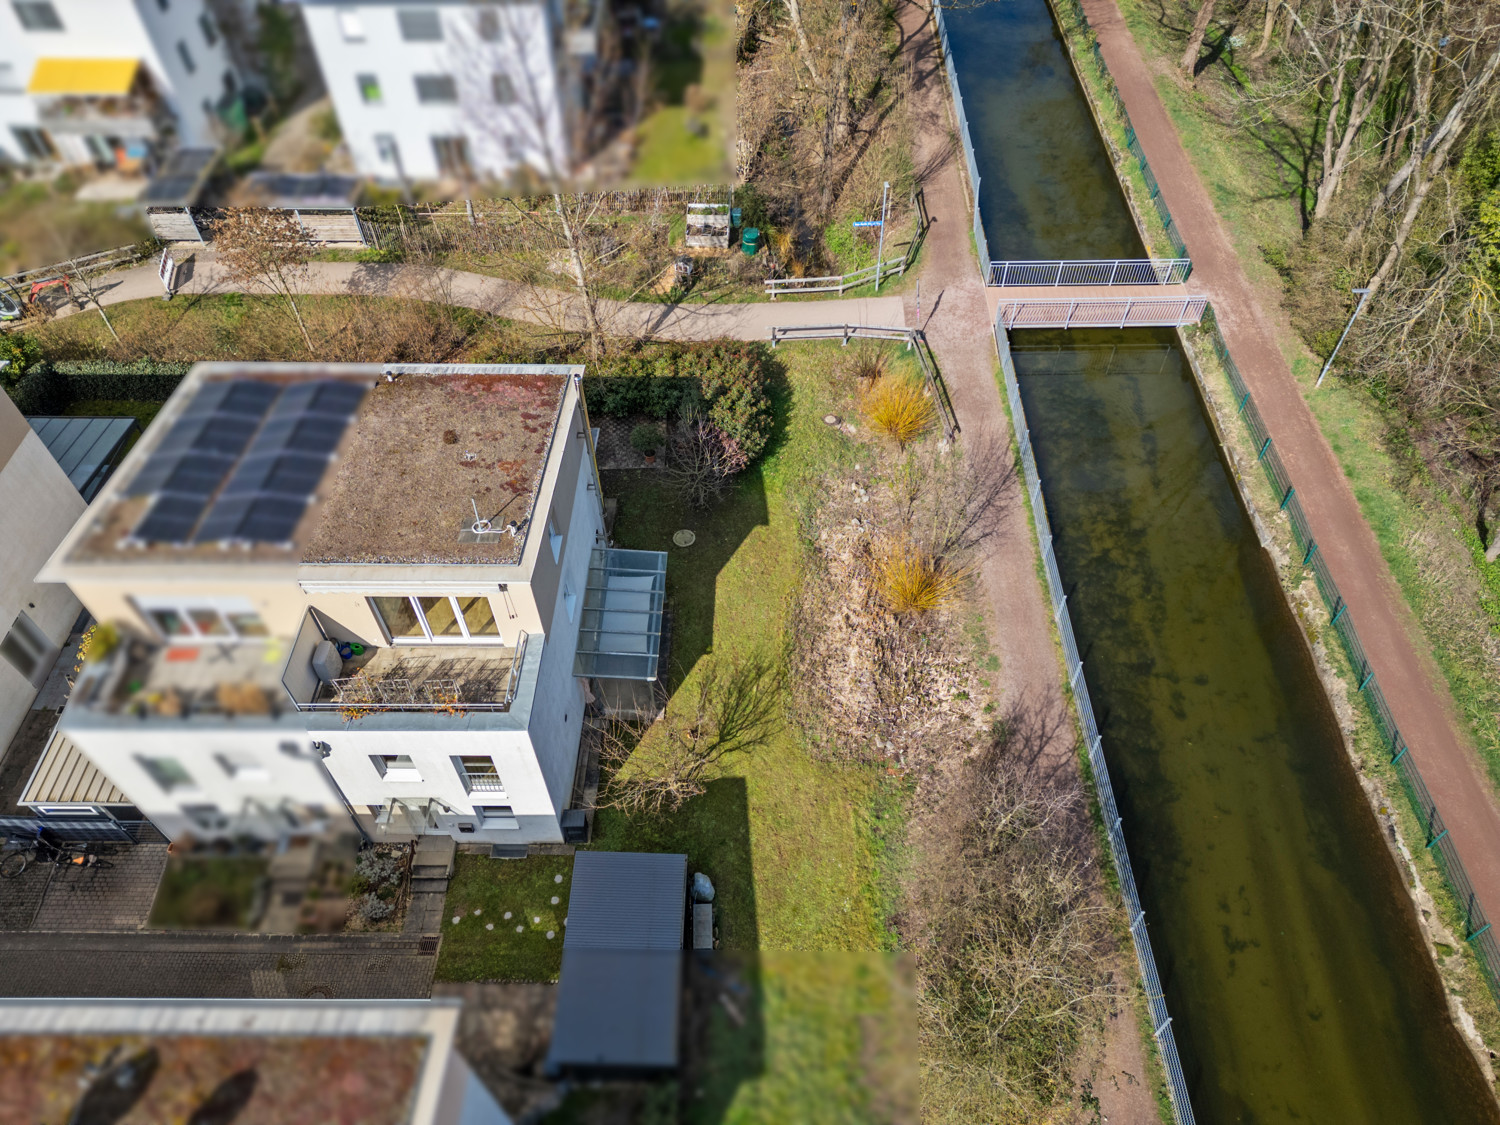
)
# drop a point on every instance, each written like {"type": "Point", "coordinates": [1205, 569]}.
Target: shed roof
{"type": "Point", "coordinates": [627, 900]}
{"type": "Point", "coordinates": [88, 449]}
{"type": "Point", "coordinates": [66, 776]}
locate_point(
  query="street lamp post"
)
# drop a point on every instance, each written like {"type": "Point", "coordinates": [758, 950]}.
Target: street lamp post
{"type": "Point", "coordinates": [1363, 296]}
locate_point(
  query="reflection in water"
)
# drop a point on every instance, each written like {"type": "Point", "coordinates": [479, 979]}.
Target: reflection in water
{"type": "Point", "coordinates": [1295, 973]}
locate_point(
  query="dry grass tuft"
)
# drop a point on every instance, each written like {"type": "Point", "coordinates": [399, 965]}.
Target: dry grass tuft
{"type": "Point", "coordinates": [868, 364]}
{"type": "Point", "coordinates": [912, 580]}
{"type": "Point", "coordinates": [899, 408]}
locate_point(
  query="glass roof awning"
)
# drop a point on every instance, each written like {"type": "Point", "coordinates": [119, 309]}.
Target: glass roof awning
{"type": "Point", "coordinates": [619, 636]}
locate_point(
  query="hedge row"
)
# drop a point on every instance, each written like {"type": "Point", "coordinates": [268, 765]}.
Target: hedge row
{"type": "Point", "coordinates": [48, 388]}
{"type": "Point", "coordinates": [727, 381]}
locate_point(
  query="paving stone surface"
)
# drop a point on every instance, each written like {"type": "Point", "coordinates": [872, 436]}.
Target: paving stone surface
{"type": "Point", "coordinates": [203, 965]}
{"type": "Point", "coordinates": [118, 897]}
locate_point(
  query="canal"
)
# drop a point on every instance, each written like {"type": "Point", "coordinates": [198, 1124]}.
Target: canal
{"type": "Point", "coordinates": [1299, 983]}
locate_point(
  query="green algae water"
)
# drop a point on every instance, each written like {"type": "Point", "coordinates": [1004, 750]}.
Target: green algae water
{"type": "Point", "coordinates": [1295, 973]}
{"type": "Point", "coordinates": [1046, 186]}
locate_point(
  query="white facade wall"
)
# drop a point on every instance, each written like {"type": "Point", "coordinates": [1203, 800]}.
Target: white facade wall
{"type": "Point", "coordinates": [147, 30]}
{"type": "Point", "coordinates": [17, 60]}
{"type": "Point", "coordinates": [239, 768]}
{"type": "Point", "coordinates": [38, 506]}
{"type": "Point", "coordinates": [355, 40]}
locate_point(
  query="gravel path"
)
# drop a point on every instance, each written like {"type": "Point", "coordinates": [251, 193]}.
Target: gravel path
{"type": "Point", "coordinates": [1413, 685]}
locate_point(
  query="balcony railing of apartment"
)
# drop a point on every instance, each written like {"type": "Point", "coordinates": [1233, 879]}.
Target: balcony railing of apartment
{"type": "Point", "coordinates": [482, 782]}
{"type": "Point", "coordinates": [126, 115]}
{"type": "Point", "coordinates": [433, 678]}
{"type": "Point", "coordinates": [146, 680]}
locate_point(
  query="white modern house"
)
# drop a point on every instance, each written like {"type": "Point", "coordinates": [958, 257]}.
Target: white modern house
{"type": "Point", "coordinates": [449, 89]}
{"type": "Point", "coordinates": [356, 591]}
{"type": "Point", "coordinates": [38, 507]}
{"type": "Point", "coordinates": [117, 83]}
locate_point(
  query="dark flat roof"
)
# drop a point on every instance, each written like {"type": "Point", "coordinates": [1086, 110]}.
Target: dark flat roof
{"type": "Point", "coordinates": [627, 900]}
{"type": "Point", "coordinates": [88, 449]}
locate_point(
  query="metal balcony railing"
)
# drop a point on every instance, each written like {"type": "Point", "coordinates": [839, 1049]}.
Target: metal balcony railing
{"type": "Point", "coordinates": [1107, 271]}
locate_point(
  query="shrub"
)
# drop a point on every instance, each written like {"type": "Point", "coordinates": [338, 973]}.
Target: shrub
{"type": "Point", "coordinates": [647, 438]}
{"type": "Point", "coordinates": [899, 408]}
{"type": "Point", "coordinates": [23, 351]}
{"type": "Point", "coordinates": [48, 388]}
{"type": "Point", "coordinates": [912, 580]}
{"type": "Point", "coordinates": [867, 364]}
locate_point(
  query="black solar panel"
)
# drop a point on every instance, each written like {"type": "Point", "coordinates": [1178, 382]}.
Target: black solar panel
{"type": "Point", "coordinates": [248, 452]}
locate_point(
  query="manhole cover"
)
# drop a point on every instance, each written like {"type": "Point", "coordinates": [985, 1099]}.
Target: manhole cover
{"type": "Point", "coordinates": [684, 538]}
{"type": "Point", "coordinates": [319, 991]}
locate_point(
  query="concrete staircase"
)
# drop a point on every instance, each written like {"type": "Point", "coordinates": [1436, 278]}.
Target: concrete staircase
{"type": "Point", "coordinates": [431, 868]}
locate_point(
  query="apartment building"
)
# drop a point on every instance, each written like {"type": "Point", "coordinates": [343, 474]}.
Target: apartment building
{"type": "Point", "coordinates": [433, 90]}
{"type": "Point", "coordinates": [38, 507]}
{"type": "Point", "coordinates": [111, 83]}
{"type": "Point", "coordinates": [356, 591]}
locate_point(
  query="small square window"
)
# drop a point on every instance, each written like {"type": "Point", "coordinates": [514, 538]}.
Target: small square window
{"type": "Point", "coordinates": [369, 88]}
{"type": "Point", "coordinates": [385, 148]}
{"type": "Point", "coordinates": [487, 24]}
{"type": "Point", "coordinates": [420, 25]}
{"type": "Point", "coordinates": [242, 766]}
{"type": "Point", "coordinates": [210, 32]}
{"type": "Point", "coordinates": [350, 26]}
{"type": "Point", "coordinates": [168, 773]}
{"type": "Point", "coordinates": [37, 15]}
{"type": "Point", "coordinates": [503, 88]}
{"type": "Point", "coordinates": [396, 767]}
{"type": "Point", "coordinates": [186, 56]}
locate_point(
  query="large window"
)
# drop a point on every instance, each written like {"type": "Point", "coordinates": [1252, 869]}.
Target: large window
{"type": "Point", "coordinates": [37, 15]}
{"type": "Point", "coordinates": [420, 25]}
{"type": "Point", "coordinates": [202, 621]}
{"type": "Point", "coordinates": [186, 56]}
{"type": "Point", "coordinates": [436, 89]}
{"type": "Point", "coordinates": [369, 88]}
{"type": "Point", "coordinates": [24, 646]}
{"type": "Point", "coordinates": [479, 774]}
{"type": "Point", "coordinates": [503, 89]}
{"type": "Point", "coordinates": [452, 619]}
{"type": "Point", "coordinates": [396, 767]}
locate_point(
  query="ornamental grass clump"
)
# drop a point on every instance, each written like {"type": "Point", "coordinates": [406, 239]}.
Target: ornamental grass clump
{"type": "Point", "coordinates": [910, 579]}
{"type": "Point", "coordinates": [899, 409]}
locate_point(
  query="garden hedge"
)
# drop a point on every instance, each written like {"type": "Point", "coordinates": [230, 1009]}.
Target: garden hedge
{"type": "Point", "coordinates": [726, 380]}
{"type": "Point", "coordinates": [48, 388]}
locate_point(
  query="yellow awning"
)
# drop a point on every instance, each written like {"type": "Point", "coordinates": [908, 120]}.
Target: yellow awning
{"type": "Point", "coordinates": [100, 77]}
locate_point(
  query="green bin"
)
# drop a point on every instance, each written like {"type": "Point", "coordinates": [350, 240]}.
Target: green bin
{"type": "Point", "coordinates": [750, 242]}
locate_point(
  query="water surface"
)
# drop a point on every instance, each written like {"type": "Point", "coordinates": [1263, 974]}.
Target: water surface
{"type": "Point", "coordinates": [1296, 976]}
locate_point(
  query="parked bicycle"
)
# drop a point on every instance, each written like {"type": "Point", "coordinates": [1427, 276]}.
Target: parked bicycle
{"type": "Point", "coordinates": [22, 852]}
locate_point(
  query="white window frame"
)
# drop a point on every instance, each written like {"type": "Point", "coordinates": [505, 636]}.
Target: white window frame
{"type": "Point", "coordinates": [351, 27]}
{"type": "Point", "coordinates": [31, 643]}
{"type": "Point", "coordinates": [185, 607]}
{"type": "Point", "coordinates": [554, 537]}
{"type": "Point", "coordinates": [427, 636]}
{"type": "Point", "coordinates": [390, 769]}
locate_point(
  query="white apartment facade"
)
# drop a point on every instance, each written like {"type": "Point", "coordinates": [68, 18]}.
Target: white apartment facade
{"type": "Point", "coordinates": [445, 89]}
{"type": "Point", "coordinates": [373, 614]}
{"type": "Point", "coordinates": [38, 507]}
{"type": "Point", "coordinates": [110, 82]}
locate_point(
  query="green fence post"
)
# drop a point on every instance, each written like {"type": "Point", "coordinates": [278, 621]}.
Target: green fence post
{"type": "Point", "coordinates": [1289, 490]}
{"type": "Point", "coordinates": [1262, 455]}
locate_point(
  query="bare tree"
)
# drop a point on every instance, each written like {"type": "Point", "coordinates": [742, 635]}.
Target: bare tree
{"type": "Point", "coordinates": [728, 710]}
{"type": "Point", "coordinates": [1189, 62]}
{"type": "Point", "coordinates": [81, 281]}
{"type": "Point", "coordinates": [265, 249]}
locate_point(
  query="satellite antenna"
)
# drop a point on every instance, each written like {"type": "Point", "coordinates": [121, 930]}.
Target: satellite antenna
{"type": "Point", "coordinates": [480, 526]}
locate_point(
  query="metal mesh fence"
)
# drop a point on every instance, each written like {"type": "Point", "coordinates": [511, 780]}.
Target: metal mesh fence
{"type": "Point", "coordinates": [1161, 1021]}
{"type": "Point", "coordinates": [1477, 930]}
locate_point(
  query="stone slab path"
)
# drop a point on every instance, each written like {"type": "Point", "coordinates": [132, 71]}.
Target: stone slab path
{"type": "Point", "coordinates": [1413, 685]}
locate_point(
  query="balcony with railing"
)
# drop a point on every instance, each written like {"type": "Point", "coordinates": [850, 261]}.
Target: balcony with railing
{"type": "Point", "coordinates": [432, 678]}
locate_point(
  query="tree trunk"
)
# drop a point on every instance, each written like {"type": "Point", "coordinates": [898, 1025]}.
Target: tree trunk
{"type": "Point", "coordinates": [794, 10]}
{"type": "Point", "coordinates": [1195, 40]}
{"type": "Point", "coordinates": [1492, 552]}
{"type": "Point", "coordinates": [580, 277]}
{"type": "Point", "coordinates": [1425, 179]}
{"type": "Point", "coordinates": [1265, 31]}
{"type": "Point", "coordinates": [1367, 90]}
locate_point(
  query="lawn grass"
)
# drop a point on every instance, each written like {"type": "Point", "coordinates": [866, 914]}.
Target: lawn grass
{"type": "Point", "coordinates": [41, 224]}
{"type": "Point", "coordinates": [1425, 541]}
{"type": "Point", "coordinates": [801, 852]}
{"type": "Point", "coordinates": [481, 894]}
{"type": "Point", "coordinates": [214, 892]}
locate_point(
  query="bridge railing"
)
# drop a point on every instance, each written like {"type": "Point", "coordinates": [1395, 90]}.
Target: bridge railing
{"type": "Point", "coordinates": [1119, 271]}
{"type": "Point", "coordinates": [1478, 933]}
{"type": "Point", "coordinates": [1161, 1020]}
{"type": "Point", "coordinates": [1123, 312]}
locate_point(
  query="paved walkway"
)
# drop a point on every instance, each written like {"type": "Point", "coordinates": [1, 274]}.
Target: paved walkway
{"type": "Point", "coordinates": [207, 965]}
{"type": "Point", "coordinates": [1413, 685]}
{"type": "Point", "coordinates": [957, 316]}
{"type": "Point", "coordinates": [202, 274]}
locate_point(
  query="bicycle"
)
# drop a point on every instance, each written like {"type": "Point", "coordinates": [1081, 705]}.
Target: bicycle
{"type": "Point", "coordinates": [22, 851]}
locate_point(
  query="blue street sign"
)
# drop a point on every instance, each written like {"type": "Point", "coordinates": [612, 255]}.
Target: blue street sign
{"type": "Point", "coordinates": [870, 223]}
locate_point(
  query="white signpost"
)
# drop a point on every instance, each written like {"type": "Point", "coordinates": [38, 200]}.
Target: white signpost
{"type": "Point", "coordinates": [167, 271]}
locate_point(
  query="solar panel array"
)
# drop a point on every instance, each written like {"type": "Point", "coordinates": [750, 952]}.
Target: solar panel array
{"type": "Point", "coordinates": [243, 461]}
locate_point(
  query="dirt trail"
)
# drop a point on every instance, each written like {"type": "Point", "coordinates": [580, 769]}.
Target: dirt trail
{"type": "Point", "coordinates": [955, 313]}
{"type": "Point", "coordinates": [1413, 685]}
